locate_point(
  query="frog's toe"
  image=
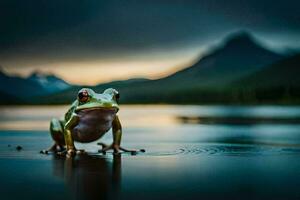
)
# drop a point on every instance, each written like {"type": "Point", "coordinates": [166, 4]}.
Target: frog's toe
{"type": "Point", "coordinates": [127, 150]}
{"type": "Point", "coordinates": [53, 149]}
{"type": "Point", "coordinates": [44, 151]}
{"type": "Point", "coordinates": [117, 149]}
{"type": "Point", "coordinates": [101, 151]}
{"type": "Point", "coordinates": [62, 153]}
{"type": "Point", "coordinates": [106, 148]}
{"type": "Point", "coordinates": [48, 151]}
{"type": "Point", "coordinates": [103, 145]}
{"type": "Point", "coordinates": [81, 151]}
{"type": "Point", "coordinates": [133, 151]}
{"type": "Point", "coordinates": [71, 152]}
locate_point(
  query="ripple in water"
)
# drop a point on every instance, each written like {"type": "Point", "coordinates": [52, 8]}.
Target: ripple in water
{"type": "Point", "coordinates": [177, 150]}
{"type": "Point", "coordinates": [230, 150]}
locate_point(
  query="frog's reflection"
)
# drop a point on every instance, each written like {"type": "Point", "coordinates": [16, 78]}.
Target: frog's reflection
{"type": "Point", "coordinates": [90, 177]}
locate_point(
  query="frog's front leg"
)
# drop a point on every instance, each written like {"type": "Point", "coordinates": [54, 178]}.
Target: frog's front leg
{"type": "Point", "coordinates": [70, 148]}
{"type": "Point", "coordinates": [117, 136]}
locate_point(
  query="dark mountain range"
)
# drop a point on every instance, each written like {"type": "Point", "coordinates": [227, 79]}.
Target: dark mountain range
{"type": "Point", "coordinates": [49, 82]}
{"type": "Point", "coordinates": [18, 89]}
{"type": "Point", "coordinates": [238, 56]}
{"type": "Point", "coordinates": [282, 74]}
{"type": "Point", "coordinates": [69, 95]}
{"type": "Point", "coordinates": [278, 82]}
{"type": "Point", "coordinates": [239, 70]}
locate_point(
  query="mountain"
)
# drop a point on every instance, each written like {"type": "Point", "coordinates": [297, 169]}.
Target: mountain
{"type": "Point", "coordinates": [241, 54]}
{"type": "Point", "coordinates": [208, 80]}
{"type": "Point", "coordinates": [49, 82]}
{"type": "Point", "coordinates": [69, 95]}
{"type": "Point", "coordinates": [22, 90]}
{"type": "Point", "coordinates": [228, 73]}
{"type": "Point", "coordinates": [19, 87]}
{"type": "Point", "coordinates": [277, 83]}
{"type": "Point", "coordinates": [238, 56]}
{"type": "Point", "coordinates": [282, 74]}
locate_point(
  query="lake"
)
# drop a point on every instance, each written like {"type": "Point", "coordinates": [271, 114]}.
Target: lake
{"type": "Point", "coordinates": [192, 152]}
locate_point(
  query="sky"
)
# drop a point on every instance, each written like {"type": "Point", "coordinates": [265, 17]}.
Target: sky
{"type": "Point", "coordinates": [94, 41]}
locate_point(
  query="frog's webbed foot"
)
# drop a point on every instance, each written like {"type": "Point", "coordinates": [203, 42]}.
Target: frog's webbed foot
{"type": "Point", "coordinates": [117, 149]}
{"type": "Point", "coordinates": [103, 145]}
{"type": "Point", "coordinates": [71, 152]}
{"type": "Point", "coordinates": [53, 149]}
{"type": "Point", "coordinates": [132, 151]}
{"type": "Point", "coordinates": [106, 148]}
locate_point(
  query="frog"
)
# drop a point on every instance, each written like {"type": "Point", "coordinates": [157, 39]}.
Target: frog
{"type": "Point", "coordinates": [90, 117]}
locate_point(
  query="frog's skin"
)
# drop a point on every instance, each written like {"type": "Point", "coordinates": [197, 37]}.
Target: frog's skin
{"type": "Point", "coordinates": [88, 119]}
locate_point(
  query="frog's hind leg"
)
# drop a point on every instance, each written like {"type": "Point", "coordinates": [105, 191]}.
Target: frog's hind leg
{"type": "Point", "coordinates": [56, 131]}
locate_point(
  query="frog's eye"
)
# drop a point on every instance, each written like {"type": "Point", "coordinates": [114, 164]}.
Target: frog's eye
{"type": "Point", "coordinates": [83, 96]}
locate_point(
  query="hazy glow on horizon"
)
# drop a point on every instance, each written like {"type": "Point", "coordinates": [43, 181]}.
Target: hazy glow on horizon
{"type": "Point", "coordinates": [99, 71]}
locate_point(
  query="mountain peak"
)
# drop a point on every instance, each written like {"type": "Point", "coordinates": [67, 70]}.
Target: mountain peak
{"type": "Point", "coordinates": [238, 55]}
{"type": "Point", "coordinates": [39, 74]}
{"type": "Point", "coordinates": [48, 81]}
{"type": "Point", "coordinates": [243, 44]}
{"type": "Point", "coordinates": [240, 38]}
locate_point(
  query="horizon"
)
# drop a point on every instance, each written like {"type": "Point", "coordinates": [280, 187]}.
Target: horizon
{"type": "Point", "coordinates": [133, 70]}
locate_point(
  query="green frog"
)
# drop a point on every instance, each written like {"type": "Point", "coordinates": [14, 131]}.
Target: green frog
{"type": "Point", "coordinates": [90, 116]}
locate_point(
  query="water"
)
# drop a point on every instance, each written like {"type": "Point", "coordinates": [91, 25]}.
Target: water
{"type": "Point", "coordinates": [188, 159]}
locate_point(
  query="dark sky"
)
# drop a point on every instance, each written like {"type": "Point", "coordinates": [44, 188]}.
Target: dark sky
{"type": "Point", "coordinates": [35, 32]}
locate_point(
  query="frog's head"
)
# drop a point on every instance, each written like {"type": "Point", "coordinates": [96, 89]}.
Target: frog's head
{"type": "Point", "coordinates": [88, 99]}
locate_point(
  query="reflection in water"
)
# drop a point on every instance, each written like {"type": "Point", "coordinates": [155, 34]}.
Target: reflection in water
{"type": "Point", "coordinates": [223, 149]}
{"type": "Point", "coordinates": [26, 117]}
{"type": "Point", "coordinates": [237, 120]}
{"type": "Point", "coordinates": [90, 177]}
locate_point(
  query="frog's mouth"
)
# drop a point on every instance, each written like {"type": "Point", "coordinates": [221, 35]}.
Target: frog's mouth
{"type": "Point", "coordinates": [98, 105]}
{"type": "Point", "coordinates": [98, 109]}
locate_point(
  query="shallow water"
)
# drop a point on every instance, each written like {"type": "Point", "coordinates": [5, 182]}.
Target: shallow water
{"type": "Point", "coordinates": [182, 160]}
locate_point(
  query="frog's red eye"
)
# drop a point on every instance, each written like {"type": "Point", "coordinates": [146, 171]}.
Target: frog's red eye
{"type": "Point", "coordinates": [83, 96]}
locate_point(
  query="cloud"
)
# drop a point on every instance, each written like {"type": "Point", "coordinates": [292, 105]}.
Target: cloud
{"type": "Point", "coordinates": [56, 30]}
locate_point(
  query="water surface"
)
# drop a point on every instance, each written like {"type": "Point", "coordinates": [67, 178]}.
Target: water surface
{"type": "Point", "coordinates": [182, 160]}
